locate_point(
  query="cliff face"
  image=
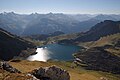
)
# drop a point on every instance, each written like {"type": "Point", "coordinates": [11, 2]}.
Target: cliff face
{"type": "Point", "coordinates": [11, 45]}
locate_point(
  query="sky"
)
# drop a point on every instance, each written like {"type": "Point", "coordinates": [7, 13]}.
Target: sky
{"type": "Point", "coordinates": [61, 6]}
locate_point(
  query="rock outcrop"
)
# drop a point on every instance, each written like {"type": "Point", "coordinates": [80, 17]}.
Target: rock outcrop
{"type": "Point", "coordinates": [7, 72]}
{"type": "Point", "coordinates": [51, 73]}
{"type": "Point", "coordinates": [32, 77]}
{"type": "Point", "coordinates": [42, 73]}
{"type": "Point", "coordinates": [9, 68]}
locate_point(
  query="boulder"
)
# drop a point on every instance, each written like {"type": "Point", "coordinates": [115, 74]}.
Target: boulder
{"type": "Point", "coordinates": [31, 77]}
{"type": "Point", "coordinates": [51, 73]}
{"type": "Point", "coordinates": [103, 78]}
{"type": "Point", "coordinates": [9, 68]}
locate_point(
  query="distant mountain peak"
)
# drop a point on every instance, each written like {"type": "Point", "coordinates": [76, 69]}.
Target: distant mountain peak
{"type": "Point", "coordinates": [103, 17]}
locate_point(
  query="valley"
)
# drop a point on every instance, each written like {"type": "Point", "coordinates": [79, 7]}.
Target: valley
{"type": "Point", "coordinates": [98, 55]}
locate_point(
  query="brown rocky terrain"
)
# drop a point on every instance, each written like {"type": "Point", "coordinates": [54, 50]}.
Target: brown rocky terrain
{"type": "Point", "coordinates": [42, 73]}
{"type": "Point", "coordinates": [97, 58]}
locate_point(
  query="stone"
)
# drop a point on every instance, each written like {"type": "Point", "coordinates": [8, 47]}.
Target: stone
{"type": "Point", "coordinates": [51, 73]}
{"type": "Point", "coordinates": [32, 77]}
{"type": "Point", "coordinates": [103, 78]}
{"type": "Point", "coordinates": [9, 68]}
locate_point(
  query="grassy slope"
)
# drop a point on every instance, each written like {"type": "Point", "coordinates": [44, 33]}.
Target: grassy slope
{"type": "Point", "coordinates": [76, 73]}
{"type": "Point", "coordinates": [107, 40]}
{"type": "Point", "coordinates": [63, 37]}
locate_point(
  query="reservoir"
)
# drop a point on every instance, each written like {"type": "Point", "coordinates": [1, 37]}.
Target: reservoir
{"type": "Point", "coordinates": [55, 52]}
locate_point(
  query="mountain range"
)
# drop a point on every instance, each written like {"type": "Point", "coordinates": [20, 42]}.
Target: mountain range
{"type": "Point", "coordinates": [101, 29]}
{"type": "Point", "coordinates": [32, 24]}
{"type": "Point", "coordinates": [94, 57]}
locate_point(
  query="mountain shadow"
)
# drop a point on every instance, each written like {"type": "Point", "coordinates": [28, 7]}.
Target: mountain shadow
{"type": "Point", "coordinates": [11, 45]}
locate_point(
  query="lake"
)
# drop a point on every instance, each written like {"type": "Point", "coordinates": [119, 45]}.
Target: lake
{"type": "Point", "coordinates": [54, 51]}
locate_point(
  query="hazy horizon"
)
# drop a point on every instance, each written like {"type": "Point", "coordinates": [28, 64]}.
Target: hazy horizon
{"type": "Point", "coordinates": [61, 6]}
{"type": "Point", "coordinates": [61, 13]}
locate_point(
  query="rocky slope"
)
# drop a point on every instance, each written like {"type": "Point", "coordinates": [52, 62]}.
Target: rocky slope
{"type": "Point", "coordinates": [11, 45]}
{"type": "Point", "coordinates": [102, 53]}
{"type": "Point", "coordinates": [28, 68]}
{"type": "Point", "coordinates": [42, 73]}
{"type": "Point", "coordinates": [97, 58]}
